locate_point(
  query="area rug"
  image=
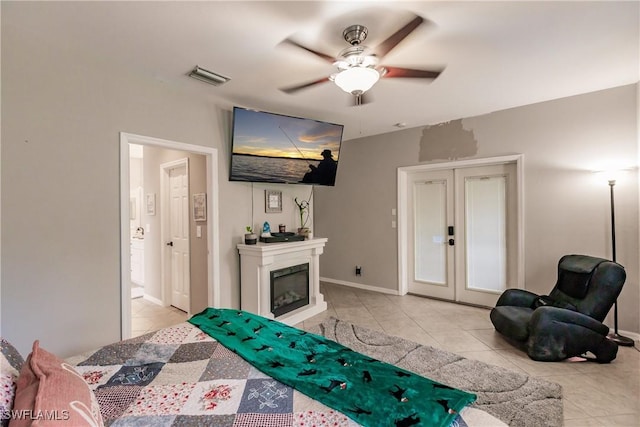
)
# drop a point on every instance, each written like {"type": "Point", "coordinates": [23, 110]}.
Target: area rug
{"type": "Point", "coordinates": [514, 398]}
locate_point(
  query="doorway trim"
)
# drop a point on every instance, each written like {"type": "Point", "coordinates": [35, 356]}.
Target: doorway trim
{"type": "Point", "coordinates": [403, 173]}
{"type": "Point", "coordinates": [213, 244]}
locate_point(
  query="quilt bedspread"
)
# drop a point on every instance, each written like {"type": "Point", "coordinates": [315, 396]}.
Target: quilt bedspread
{"type": "Point", "coordinates": [180, 376]}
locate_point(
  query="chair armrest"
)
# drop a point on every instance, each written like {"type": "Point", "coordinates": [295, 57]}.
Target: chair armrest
{"type": "Point", "coordinates": [547, 314]}
{"type": "Point", "coordinates": [517, 297]}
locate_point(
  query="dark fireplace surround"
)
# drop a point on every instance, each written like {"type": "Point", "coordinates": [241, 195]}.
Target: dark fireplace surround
{"type": "Point", "coordinates": [289, 289]}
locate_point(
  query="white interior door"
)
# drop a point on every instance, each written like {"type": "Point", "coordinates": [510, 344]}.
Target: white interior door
{"type": "Point", "coordinates": [178, 244]}
{"type": "Point", "coordinates": [461, 233]}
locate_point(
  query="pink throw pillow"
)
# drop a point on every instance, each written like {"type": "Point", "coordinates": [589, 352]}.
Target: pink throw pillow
{"type": "Point", "coordinates": [50, 392]}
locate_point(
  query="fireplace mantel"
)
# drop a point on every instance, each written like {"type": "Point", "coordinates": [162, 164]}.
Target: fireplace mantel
{"type": "Point", "coordinates": [257, 262]}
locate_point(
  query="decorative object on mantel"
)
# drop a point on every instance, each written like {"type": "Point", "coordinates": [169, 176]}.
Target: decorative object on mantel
{"type": "Point", "coordinates": [250, 238]}
{"type": "Point", "coordinates": [303, 208]}
{"type": "Point", "coordinates": [266, 230]}
{"type": "Point", "coordinates": [282, 237]}
{"type": "Point", "coordinates": [304, 232]}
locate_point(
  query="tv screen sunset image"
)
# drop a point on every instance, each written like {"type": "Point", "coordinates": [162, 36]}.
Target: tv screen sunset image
{"type": "Point", "coordinates": [271, 147]}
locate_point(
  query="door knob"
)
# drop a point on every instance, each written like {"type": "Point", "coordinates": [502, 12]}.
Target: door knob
{"type": "Point", "coordinates": [170, 244]}
{"type": "Point", "coordinates": [451, 242]}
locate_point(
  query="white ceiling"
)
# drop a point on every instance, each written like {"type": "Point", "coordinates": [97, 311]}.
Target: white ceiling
{"type": "Point", "coordinates": [496, 55]}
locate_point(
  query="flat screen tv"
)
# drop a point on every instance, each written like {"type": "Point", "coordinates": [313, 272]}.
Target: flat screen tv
{"type": "Point", "coordinates": [269, 147]}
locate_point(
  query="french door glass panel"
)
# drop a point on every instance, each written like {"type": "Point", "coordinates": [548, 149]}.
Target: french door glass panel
{"type": "Point", "coordinates": [479, 203]}
{"type": "Point", "coordinates": [486, 240]}
{"type": "Point", "coordinates": [430, 261]}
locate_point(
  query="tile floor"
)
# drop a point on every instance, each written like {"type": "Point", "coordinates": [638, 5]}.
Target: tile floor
{"type": "Point", "coordinates": [594, 395]}
{"type": "Point", "coordinates": [147, 316]}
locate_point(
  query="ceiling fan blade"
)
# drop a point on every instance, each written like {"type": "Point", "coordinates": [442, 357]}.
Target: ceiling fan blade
{"type": "Point", "coordinates": [397, 72]}
{"type": "Point", "coordinates": [324, 56]}
{"type": "Point", "coordinates": [293, 89]}
{"type": "Point", "coordinates": [392, 41]}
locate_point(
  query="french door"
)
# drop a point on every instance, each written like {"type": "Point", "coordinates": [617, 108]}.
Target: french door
{"type": "Point", "coordinates": [462, 233]}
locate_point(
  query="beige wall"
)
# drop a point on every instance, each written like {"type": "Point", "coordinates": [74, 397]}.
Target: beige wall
{"type": "Point", "coordinates": [566, 210]}
{"type": "Point", "coordinates": [60, 178]}
{"type": "Point", "coordinates": [60, 188]}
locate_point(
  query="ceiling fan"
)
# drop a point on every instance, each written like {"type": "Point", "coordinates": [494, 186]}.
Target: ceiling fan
{"type": "Point", "coordinates": [359, 66]}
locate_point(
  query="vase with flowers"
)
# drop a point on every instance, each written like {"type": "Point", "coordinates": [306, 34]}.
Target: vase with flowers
{"type": "Point", "coordinates": [303, 210]}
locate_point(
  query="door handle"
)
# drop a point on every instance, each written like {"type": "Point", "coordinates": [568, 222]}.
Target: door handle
{"type": "Point", "coordinates": [451, 242]}
{"type": "Point", "coordinates": [170, 244]}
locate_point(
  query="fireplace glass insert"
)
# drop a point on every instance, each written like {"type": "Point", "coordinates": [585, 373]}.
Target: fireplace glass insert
{"type": "Point", "coordinates": [289, 289]}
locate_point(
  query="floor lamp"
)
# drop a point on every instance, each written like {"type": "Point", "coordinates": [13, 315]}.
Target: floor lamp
{"type": "Point", "coordinates": [614, 336]}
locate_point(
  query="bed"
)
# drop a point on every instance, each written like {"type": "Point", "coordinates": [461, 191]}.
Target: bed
{"type": "Point", "coordinates": [182, 376]}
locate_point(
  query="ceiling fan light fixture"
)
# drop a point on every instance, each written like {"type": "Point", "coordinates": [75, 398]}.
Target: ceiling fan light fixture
{"type": "Point", "coordinates": [356, 80]}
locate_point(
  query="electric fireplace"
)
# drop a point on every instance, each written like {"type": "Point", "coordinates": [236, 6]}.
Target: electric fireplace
{"type": "Point", "coordinates": [282, 280]}
{"type": "Point", "coordinates": [289, 289]}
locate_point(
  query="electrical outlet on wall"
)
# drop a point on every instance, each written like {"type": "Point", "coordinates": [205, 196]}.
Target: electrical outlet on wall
{"type": "Point", "coordinates": [358, 270]}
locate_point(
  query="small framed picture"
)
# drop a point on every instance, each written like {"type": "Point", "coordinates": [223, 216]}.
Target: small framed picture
{"type": "Point", "coordinates": [150, 202]}
{"type": "Point", "coordinates": [272, 201]}
{"type": "Point", "coordinates": [200, 207]}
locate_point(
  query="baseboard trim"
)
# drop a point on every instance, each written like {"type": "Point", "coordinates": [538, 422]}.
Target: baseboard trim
{"type": "Point", "coordinates": [634, 336]}
{"type": "Point", "coordinates": [360, 286]}
{"type": "Point", "coordinates": [137, 292]}
{"type": "Point", "coordinates": [154, 300]}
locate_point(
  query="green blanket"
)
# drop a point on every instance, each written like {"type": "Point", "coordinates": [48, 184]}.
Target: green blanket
{"type": "Point", "coordinates": [371, 392]}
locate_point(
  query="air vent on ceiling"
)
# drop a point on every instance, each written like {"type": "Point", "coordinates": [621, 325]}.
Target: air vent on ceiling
{"type": "Point", "coordinates": [208, 76]}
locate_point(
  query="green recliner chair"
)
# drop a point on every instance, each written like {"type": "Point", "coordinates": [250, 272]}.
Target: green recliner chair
{"type": "Point", "coordinates": [568, 321]}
